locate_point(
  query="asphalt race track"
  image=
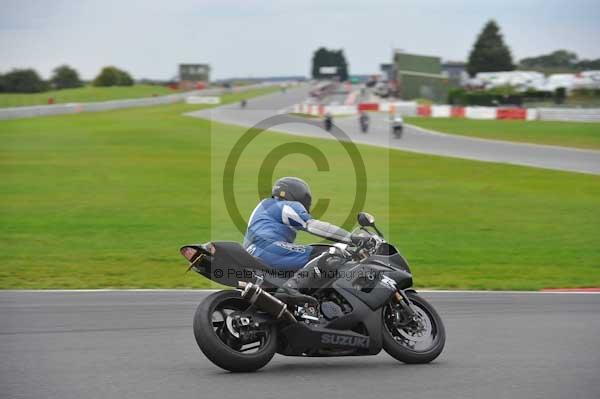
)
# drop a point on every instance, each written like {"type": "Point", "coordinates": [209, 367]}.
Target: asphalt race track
{"type": "Point", "coordinates": [140, 344]}
{"type": "Point", "coordinates": [414, 138]}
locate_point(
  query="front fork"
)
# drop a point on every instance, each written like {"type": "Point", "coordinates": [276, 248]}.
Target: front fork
{"type": "Point", "coordinates": [403, 301]}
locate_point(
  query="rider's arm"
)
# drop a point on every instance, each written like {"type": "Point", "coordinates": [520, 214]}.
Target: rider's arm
{"type": "Point", "coordinates": [294, 215]}
{"type": "Point", "coordinates": [328, 231]}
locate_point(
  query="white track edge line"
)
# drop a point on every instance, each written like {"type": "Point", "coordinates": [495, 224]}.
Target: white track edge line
{"type": "Point", "coordinates": [183, 290]}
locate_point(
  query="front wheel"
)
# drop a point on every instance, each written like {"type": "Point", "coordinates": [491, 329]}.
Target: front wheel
{"type": "Point", "coordinates": [230, 337]}
{"type": "Point", "coordinates": [418, 339]}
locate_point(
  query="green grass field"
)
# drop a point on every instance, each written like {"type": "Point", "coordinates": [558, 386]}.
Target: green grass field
{"type": "Point", "coordinates": [83, 94]}
{"type": "Point", "coordinates": [106, 199]}
{"type": "Point", "coordinates": [568, 134]}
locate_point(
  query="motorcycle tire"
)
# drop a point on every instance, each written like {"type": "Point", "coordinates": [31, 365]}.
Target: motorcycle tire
{"type": "Point", "coordinates": [216, 350]}
{"type": "Point", "coordinates": [407, 355]}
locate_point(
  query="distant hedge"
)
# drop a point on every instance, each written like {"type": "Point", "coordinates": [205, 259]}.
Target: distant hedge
{"type": "Point", "coordinates": [22, 81]}
{"type": "Point", "coordinates": [590, 93]}
{"type": "Point", "coordinates": [63, 77]}
{"type": "Point", "coordinates": [112, 76]}
{"type": "Point", "coordinates": [501, 97]}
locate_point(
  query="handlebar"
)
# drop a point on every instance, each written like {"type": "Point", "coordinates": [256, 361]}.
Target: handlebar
{"type": "Point", "coordinates": [367, 246]}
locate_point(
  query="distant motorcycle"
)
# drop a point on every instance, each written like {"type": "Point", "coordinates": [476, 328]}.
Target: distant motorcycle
{"type": "Point", "coordinates": [397, 126]}
{"type": "Point", "coordinates": [328, 122]}
{"type": "Point", "coordinates": [363, 120]}
{"type": "Point", "coordinates": [365, 306]}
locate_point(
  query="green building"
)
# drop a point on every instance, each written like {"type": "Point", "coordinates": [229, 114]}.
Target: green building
{"type": "Point", "coordinates": [420, 76]}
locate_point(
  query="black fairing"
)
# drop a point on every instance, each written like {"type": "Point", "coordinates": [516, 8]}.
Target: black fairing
{"type": "Point", "coordinates": [362, 321]}
{"type": "Point", "coordinates": [389, 255]}
{"type": "Point", "coordinates": [230, 263]}
{"type": "Point", "coordinates": [366, 286]}
{"type": "Point", "coordinates": [366, 281]}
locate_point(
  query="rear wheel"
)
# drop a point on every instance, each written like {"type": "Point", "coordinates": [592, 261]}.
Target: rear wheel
{"type": "Point", "coordinates": [229, 337]}
{"type": "Point", "coordinates": [418, 339]}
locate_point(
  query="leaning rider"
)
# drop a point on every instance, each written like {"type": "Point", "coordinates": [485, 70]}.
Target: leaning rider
{"type": "Point", "coordinates": [272, 230]}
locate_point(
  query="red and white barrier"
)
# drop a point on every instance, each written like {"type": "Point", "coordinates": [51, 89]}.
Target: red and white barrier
{"type": "Point", "coordinates": [511, 113]}
{"type": "Point", "coordinates": [457, 112]}
{"type": "Point", "coordinates": [480, 112]}
{"type": "Point", "coordinates": [321, 110]}
{"type": "Point", "coordinates": [489, 113]}
{"type": "Point", "coordinates": [368, 107]}
{"type": "Point", "coordinates": [441, 111]}
{"type": "Point", "coordinates": [406, 108]}
{"type": "Point", "coordinates": [532, 114]}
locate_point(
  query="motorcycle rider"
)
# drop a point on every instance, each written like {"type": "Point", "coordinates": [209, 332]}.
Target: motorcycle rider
{"type": "Point", "coordinates": [397, 124]}
{"type": "Point", "coordinates": [272, 230]}
{"type": "Point", "coordinates": [328, 121]}
{"type": "Point", "coordinates": [363, 120]}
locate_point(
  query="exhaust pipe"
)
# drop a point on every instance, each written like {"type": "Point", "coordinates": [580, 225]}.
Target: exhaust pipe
{"type": "Point", "coordinates": [265, 301]}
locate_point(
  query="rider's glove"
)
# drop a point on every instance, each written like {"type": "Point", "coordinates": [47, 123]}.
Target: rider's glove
{"type": "Point", "coordinates": [364, 239]}
{"type": "Point", "coordinates": [360, 237]}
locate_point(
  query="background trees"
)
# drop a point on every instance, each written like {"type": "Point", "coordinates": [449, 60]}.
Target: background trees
{"type": "Point", "coordinates": [559, 60]}
{"type": "Point", "coordinates": [489, 53]}
{"type": "Point", "coordinates": [329, 58]}
{"type": "Point", "coordinates": [65, 77]}
{"type": "Point", "coordinates": [113, 76]}
{"type": "Point", "coordinates": [22, 81]}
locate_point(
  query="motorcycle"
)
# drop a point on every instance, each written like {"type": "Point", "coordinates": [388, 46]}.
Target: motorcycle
{"type": "Point", "coordinates": [367, 306]}
{"type": "Point", "coordinates": [364, 123]}
{"type": "Point", "coordinates": [397, 126]}
{"type": "Point", "coordinates": [328, 122]}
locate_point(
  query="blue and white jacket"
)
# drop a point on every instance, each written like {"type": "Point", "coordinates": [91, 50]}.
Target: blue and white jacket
{"type": "Point", "coordinates": [272, 230]}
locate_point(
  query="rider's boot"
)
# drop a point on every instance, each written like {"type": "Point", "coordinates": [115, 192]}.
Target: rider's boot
{"type": "Point", "coordinates": [302, 279]}
{"type": "Point", "coordinates": [307, 278]}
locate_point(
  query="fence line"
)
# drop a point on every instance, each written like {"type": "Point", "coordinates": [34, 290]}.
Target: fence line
{"type": "Point", "coordinates": [75, 108]}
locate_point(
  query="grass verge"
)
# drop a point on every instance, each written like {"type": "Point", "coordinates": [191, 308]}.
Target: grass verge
{"type": "Point", "coordinates": [82, 94]}
{"type": "Point", "coordinates": [568, 134]}
{"type": "Point", "coordinates": [105, 199]}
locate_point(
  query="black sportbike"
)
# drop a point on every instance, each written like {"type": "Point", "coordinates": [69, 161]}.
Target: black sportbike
{"type": "Point", "coordinates": [365, 306]}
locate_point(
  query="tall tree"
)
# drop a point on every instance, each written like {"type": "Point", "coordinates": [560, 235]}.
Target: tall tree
{"type": "Point", "coordinates": [343, 65]}
{"type": "Point", "coordinates": [489, 53]}
{"type": "Point", "coordinates": [323, 57]}
{"type": "Point", "coordinates": [65, 77]}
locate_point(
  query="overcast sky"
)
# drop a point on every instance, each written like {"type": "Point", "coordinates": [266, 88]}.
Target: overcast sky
{"type": "Point", "coordinates": [267, 38]}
